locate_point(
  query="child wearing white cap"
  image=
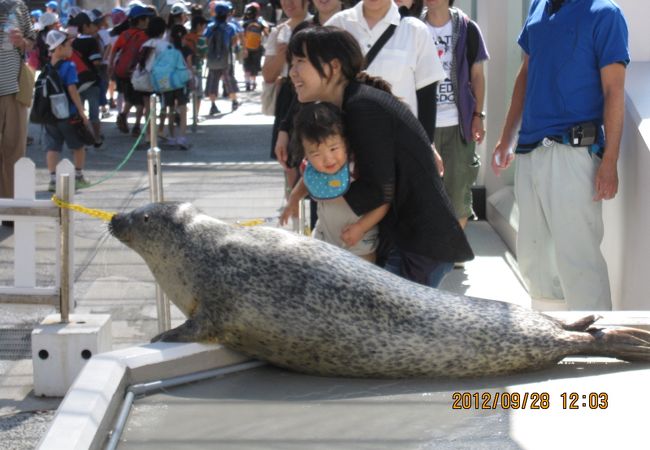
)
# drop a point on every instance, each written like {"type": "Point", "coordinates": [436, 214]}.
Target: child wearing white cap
{"type": "Point", "coordinates": [60, 46]}
{"type": "Point", "coordinates": [39, 55]}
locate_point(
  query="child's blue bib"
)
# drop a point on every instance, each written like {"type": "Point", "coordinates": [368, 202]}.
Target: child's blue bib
{"type": "Point", "coordinates": [323, 186]}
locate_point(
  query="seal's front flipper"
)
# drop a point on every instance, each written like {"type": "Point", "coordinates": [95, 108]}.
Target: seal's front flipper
{"type": "Point", "coordinates": [581, 324]}
{"type": "Point", "coordinates": [189, 331]}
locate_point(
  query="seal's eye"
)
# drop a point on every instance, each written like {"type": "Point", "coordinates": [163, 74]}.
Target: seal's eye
{"type": "Point", "coordinates": [145, 217]}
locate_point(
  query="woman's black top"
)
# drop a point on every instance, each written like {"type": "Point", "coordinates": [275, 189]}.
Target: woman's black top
{"type": "Point", "coordinates": [394, 160]}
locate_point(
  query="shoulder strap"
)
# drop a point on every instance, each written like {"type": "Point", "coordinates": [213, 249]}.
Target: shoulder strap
{"type": "Point", "coordinates": [133, 33]}
{"type": "Point", "coordinates": [472, 43]}
{"type": "Point", "coordinates": [52, 75]}
{"type": "Point", "coordinates": [372, 53]}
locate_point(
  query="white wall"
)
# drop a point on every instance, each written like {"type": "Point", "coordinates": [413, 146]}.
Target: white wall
{"type": "Point", "coordinates": [627, 218]}
{"type": "Point", "coordinates": [500, 22]}
{"type": "Point", "coordinates": [636, 14]}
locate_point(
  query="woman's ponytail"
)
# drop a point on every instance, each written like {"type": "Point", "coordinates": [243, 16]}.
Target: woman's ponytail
{"type": "Point", "coordinates": [376, 82]}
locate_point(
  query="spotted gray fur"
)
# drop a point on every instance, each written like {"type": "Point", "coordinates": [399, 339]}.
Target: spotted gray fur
{"type": "Point", "coordinates": [302, 304]}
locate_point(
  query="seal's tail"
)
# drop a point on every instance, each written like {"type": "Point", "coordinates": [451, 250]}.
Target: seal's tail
{"type": "Point", "coordinates": [629, 344]}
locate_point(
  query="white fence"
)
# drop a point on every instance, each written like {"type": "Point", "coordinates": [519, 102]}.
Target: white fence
{"type": "Point", "coordinates": [26, 212]}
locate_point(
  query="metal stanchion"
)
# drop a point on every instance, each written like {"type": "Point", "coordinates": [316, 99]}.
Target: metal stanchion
{"type": "Point", "coordinates": [156, 195]}
{"type": "Point", "coordinates": [155, 175]}
{"type": "Point", "coordinates": [301, 217]}
{"type": "Point", "coordinates": [153, 129]}
{"type": "Point", "coordinates": [64, 305]}
{"type": "Point", "coordinates": [195, 109]}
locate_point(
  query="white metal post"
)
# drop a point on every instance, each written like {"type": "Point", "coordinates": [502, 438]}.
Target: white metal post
{"type": "Point", "coordinates": [64, 306]}
{"type": "Point", "coordinates": [156, 195]}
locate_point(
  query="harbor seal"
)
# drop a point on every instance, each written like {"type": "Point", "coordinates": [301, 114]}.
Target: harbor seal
{"type": "Point", "coordinates": [305, 305]}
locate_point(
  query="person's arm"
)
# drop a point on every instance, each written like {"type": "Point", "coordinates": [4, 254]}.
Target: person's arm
{"type": "Point", "coordinates": [108, 50]}
{"type": "Point", "coordinates": [275, 58]}
{"type": "Point", "coordinates": [189, 63]}
{"type": "Point", "coordinates": [291, 210]}
{"type": "Point", "coordinates": [95, 54]}
{"type": "Point", "coordinates": [19, 41]}
{"type": "Point", "coordinates": [477, 77]}
{"type": "Point", "coordinates": [74, 96]}
{"type": "Point", "coordinates": [502, 156]}
{"type": "Point", "coordinates": [286, 125]}
{"type": "Point", "coordinates": [353, 233]}
{"type": "Point", "coordinates": [612, 79]}
{"type": "Point", "coordinates": [371, 133]}
{"type": "Point", "coordinates": [23, 36]}
{"type": "Point", "coordinates": [427, 107]}
{"type": "Point", "coordinates": [281, 149]}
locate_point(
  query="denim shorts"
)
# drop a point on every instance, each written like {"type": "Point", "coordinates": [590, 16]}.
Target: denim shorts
{"type": "Point", "coordinates": [59, 133]}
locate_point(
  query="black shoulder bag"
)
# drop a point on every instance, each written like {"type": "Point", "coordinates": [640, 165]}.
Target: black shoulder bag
{"type": "Point", "coordinates": [372, 53]}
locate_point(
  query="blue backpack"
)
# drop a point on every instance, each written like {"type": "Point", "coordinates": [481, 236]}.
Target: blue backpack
{"type": "Point", "coordinates": [169, 71]}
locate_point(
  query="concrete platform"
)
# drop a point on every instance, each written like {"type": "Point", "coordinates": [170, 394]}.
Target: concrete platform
{"type": "Point", "coordinates": [268, 408]}
{"type": "Point", "coordinates": [195, 396]}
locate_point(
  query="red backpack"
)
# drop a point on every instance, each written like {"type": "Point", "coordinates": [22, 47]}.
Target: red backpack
{"type": "Point", "coordinates": [127, 57]}
{"type": "Point", "coordinates": [79, 62]}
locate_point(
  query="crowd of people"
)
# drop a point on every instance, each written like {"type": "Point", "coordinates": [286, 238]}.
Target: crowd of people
{"type": "Point", "coordinates": [395, 152]}
{"type": "Point", "coordinates": [115, 60]}
{"type": "Point", "coordinates": [378, 108]}
{"type": "Point", "coordinates": [111, 48]}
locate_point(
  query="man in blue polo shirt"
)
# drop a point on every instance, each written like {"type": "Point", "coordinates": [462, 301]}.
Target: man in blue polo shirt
{"type": "Point", "coordinates": [569, 98]}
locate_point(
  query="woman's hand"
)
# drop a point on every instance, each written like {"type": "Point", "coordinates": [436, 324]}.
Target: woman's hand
{"type": "Point", "coordinates": [282, 148]}
{"type": "Point", "coordinates": [352, 234]}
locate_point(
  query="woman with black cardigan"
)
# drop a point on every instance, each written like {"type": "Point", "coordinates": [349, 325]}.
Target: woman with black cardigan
{"type": "Point", "coordinates": [420, 234]}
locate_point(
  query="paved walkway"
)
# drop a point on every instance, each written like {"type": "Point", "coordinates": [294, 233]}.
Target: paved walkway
{"type": "Point", "coordinates": [227, 173]}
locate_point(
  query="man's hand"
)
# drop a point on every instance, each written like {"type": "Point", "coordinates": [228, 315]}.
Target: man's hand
{"type": "Point", "coordinates": [352, 234]}
{"type": "Point", "coordinates": [478, 129]}
{"type": "Point", "coordinates": [606, 181]}
{"type": "Point", "coordinates": [501, 158]}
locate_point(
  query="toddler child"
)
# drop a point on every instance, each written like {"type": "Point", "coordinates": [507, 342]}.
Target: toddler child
{"type": "Point", "coordinates": [319, 133]}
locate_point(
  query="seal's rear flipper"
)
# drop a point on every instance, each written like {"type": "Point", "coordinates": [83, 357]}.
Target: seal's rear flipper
{"type": "Point", "coordinates": [628, 344]}
{"type": "Point", "coordinates": [189, 331]}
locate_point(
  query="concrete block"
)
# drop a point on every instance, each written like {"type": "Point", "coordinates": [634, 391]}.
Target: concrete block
{"type": "Point", "coordinates": [61, 350]}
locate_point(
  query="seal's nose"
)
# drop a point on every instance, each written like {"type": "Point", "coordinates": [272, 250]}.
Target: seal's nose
{"type": "Point", "coordinates": [117, 225]}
